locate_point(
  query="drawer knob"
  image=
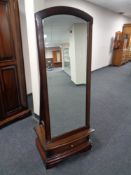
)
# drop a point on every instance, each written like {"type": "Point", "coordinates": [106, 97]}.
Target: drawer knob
{"type": "Point", "coordinates": [72, 146]}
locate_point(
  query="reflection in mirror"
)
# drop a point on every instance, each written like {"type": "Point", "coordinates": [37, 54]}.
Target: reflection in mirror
{"type": "Point", "coordinates": [65, 39]}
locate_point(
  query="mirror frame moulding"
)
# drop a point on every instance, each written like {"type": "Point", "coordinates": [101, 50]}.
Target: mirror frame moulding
{"type": "Point", "coordinates": [44, 130]}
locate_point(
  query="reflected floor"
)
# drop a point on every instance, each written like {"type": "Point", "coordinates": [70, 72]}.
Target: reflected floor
{"type": "Point", "coordinates": [66, 102]}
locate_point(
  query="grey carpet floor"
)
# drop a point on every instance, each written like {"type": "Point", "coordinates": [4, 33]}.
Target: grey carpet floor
{"type": "Point", "coordinates": [110, 116]}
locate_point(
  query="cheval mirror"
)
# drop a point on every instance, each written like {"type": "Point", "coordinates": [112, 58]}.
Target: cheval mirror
{"type": "Point", "coordinates": [64, 38]}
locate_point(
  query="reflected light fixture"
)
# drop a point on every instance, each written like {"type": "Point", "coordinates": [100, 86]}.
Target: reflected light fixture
{"type": "Point", "coordinates": [45, 36]}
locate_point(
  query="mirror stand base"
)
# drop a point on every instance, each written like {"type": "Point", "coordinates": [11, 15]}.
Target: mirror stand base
{"type": "Point", "coordinates": [62, 147]}
{"type": "Point", "coordinates": [52, 161]}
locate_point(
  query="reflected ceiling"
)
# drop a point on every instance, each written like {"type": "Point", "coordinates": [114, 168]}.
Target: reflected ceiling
{"type": "Point", "coordinates": [57, 29]}
{"type": "Point", "coordinates": [115, 5]}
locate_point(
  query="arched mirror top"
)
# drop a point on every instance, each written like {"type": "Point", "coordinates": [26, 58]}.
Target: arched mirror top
{"type": "Point", "coordinates": [59, 10]}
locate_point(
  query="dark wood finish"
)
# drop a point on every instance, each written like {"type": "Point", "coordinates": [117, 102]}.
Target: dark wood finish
{"type": "Point", "coordinates": [15, 117]}
{"type": "Point", "coordinates": [62, 146]}
{"type": "Point", "coordinates": [6, 42]}
{"type": "Point", "coordinates": [88, 74]}
{"type": "Point", "coordinates": [63, 10]}
{"type": "Point", "coordinates": [11, 91]}
{"type": "Point", "coordinates": [13, 98]}
{"type": "Point", "coordinates": [54, 150]}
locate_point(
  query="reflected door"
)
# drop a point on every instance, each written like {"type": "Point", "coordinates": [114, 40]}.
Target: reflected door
{"type": "Point", "coordinates": [57, 58]}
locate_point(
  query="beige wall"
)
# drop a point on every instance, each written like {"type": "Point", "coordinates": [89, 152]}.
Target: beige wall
{"type": "Point", "coordinates": [25, 46]}
{"type": "Point", "coordinates": [30, 49]}
{"type": "Point", "coordinates": [81, 52]}
{"type": "Point", "coordinates": [39, 5]}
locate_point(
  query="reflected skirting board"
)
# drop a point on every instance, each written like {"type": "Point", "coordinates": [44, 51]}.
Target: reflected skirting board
{"type": "Point", "coordinates": [63, 146]}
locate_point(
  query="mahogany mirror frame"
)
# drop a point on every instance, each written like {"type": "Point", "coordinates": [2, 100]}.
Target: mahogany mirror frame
{"type": "Point", "coordinates": [54, 150]}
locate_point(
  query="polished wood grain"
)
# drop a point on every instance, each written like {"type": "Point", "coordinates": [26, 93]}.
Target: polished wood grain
{"type": "Point", "coordinates": [51, 162]}
{"type": "Point", "coordinates": [13, 98]}
{"type": "Point", "coordinates": [63, 140]}
{"type": "Point", "coordinates": [6, 39]}
{"type": "Point", "coordinates": [88, 73]}
{"type": "Point", "coordinates": [54, 150]}
{"type": "Point", "coordinates": [10, 89]}
{"type": "Point", "coordinates": [62, 147]}
{"type": "Point", "coordinates": [122, 53]}
{"type": "Point", "coordinates": [15, 117]}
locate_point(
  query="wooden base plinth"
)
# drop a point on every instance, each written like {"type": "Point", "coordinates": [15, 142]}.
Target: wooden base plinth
{"type": "Point", "coordinates": [52, 161]}
{"type": "Point", "coordinates": [62, 147]}
{"type": "Point", "coordinates": [23, 114]}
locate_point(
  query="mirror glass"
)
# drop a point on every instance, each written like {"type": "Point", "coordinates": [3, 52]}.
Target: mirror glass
{"type": "Point", "coordinates": [65, 39]}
